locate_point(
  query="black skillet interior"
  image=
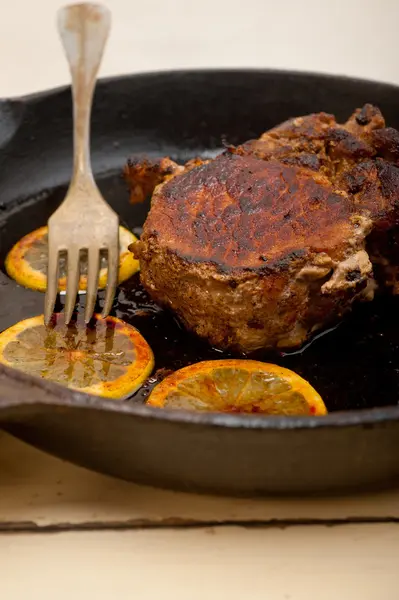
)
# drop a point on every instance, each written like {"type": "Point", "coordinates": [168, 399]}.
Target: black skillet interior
{"type": "Point", "coordinates": [182, 115]}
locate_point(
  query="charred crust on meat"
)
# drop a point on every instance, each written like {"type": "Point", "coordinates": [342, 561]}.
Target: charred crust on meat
{"type": "Point", "coordinates": [254, 324]}
{"type": "Point", "coordinates": [310, 126]}
{"type": "Point", "coordinates": [144, 174]}
{"type": "Point", "coordinates": [217, 220]}
{"type": "Point", "coordinates": [386, 142]}
{"type": "Point", "coordinates": [365, 115]}
{"type": "Point", "coordinates": [345, 144]}
{"type": "Point", "coordinates": [355, 179]}
{"type": "Point", "coordinates": [293, 256]}
{"type": "Point", "coordinates": [274, 238]}
{"type": "Point", "coordinates": [389, 178]}
{"type": "Point", "coordinates": [307, 160]}
{"type": "Point", "coordinates": [353, 275]}
{"type": "Point", "coordinates": [365, 120]}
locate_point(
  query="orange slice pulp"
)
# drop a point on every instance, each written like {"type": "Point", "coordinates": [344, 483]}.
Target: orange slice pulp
{"type": "Point", "coordinates": [27, 262]}
{"type": "Point", "coordinates": [107, 358]}
{"type": "Point", "coordinates": [235, 385]}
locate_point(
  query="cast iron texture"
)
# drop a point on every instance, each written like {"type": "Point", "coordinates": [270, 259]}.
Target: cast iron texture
{"type": "Point", "coordinates": [183, 114]}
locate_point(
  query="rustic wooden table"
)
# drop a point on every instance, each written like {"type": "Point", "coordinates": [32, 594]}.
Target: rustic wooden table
{"type": "Point", "coordinates": [66, 532]}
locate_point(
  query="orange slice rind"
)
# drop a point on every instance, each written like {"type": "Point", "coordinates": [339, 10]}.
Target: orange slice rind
{"type": "Point", "coordinates": [27, 262]}
{"type": "Point", "coordinates": [239, 386]}
{"type": "Point", "coordinates": [107, 358]}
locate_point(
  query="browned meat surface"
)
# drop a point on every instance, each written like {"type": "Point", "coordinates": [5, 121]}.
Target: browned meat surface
{"type": "Point", "coordinates": [274, 239]}
{"type": "Point", "coordinates": [142, 176]}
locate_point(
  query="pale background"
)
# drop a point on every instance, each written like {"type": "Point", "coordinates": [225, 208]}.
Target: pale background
{"type": "Point", "coordinates": [353, 37]}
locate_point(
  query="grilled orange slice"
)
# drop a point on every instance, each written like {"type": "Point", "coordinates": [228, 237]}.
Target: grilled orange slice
{"type": "Point", "coordinates": [27, 262]}
{"type": "Point", "coordinates": [245, 386]}
{"type": "Point", "coordinates": [108, 358]}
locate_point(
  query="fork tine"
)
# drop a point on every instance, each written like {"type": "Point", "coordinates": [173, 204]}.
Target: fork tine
{"type": "Point", "coordinates": [112, 278]}
{"type": "Point", "coordinates": [93, 262]}
{"type": "Point", "coordinates": [73, 273]}
{"type": "Point", "coordinates": [52, 282]}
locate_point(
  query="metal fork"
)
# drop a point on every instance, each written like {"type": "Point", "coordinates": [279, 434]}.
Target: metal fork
{"type": "Point", "coordinates": [84, 221]}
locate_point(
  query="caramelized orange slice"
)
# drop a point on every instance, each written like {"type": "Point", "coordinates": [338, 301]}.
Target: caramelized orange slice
{"type": "Point", "coordinates": [245, 386]}
{"type": "Point", "coordinates": [27, 262]}
{"type": "Point", "coordinates": [108, 358]}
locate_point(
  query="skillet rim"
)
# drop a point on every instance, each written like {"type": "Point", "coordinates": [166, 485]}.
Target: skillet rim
{"type": "Point", "coordinates": [58, 396]}
{"type": "Point", "coordinates": [38, 95]}
{"type": "Point", "coordinates": [55, 395]}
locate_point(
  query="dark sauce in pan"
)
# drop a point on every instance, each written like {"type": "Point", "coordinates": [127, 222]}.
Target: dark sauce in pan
{"type": "Point", "coordinates": [355, 365]}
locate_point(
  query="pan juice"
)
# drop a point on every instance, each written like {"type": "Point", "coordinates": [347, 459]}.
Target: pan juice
{"type": "Point", "coordinates": [354, 365]}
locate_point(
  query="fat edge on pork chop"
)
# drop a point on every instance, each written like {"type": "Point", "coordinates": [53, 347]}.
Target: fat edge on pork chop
{"type": "Point", "coordinates": [276, 238]}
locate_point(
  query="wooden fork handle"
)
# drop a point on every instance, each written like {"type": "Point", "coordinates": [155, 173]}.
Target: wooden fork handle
{"type": "Point", "coordinates": [84, 30]}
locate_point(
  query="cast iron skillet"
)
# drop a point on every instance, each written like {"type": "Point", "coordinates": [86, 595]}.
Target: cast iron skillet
{"type": "Point", "coordinates": [183, 114]}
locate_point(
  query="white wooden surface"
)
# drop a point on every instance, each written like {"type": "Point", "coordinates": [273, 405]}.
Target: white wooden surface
{"type": "Point", "coordinates": [354, 37]}
{"type": "Point", "coordinates": [300, 563]}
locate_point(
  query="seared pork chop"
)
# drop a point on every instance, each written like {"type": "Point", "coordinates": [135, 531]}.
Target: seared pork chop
{"type": "Point", "coordinates": [272, 240]}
